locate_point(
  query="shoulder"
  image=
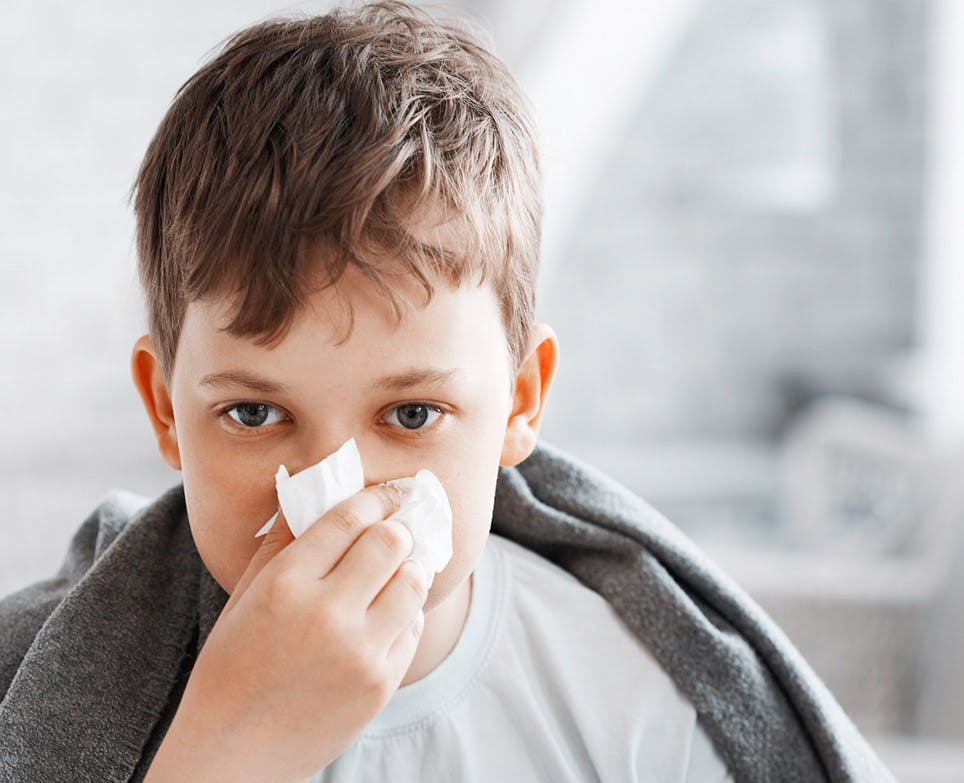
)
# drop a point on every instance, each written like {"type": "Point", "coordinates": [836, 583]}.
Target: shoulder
{"type": "Point", "coordinates": [547, 594]}
{"type": "Point", "coordinates": [538, 585]}
{"type": "Point", "coordinates": [578, 628]}
{"type": "Point", "coordinates": [595, 686]}
{"type": "Point", "coordinates": [23, 613]}
{"type": "Point", "coordinates": [594, 666]}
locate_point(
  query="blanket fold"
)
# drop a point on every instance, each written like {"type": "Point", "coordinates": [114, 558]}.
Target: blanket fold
{"type": "Point", "coordinates": [93, 662]}
{"type": "Point", "coordinates": [770, 716]}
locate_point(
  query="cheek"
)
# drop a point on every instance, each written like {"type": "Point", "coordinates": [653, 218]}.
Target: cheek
{"type": "Point", "coordinates": [472, 519]}
{"type": "Point", "coordinates": [229, 497]}
{"type": "Point", "coordinates": [469, 481]}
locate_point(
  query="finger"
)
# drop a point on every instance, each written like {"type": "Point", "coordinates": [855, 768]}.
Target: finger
{"type": "Point", "coordinates": [400, 601]}
{"type": "Point", "coordinates": [402, 651]}
{"type": "Point", "coordinates": [325, 542]}
{"type": "Point", "coordinates": [371, 561]}
{"type": "Point", "coordinates": [276, 539]}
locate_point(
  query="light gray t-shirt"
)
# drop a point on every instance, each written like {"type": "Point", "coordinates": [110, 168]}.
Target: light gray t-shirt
{"type": "Point", "coordinates": [544, 684]}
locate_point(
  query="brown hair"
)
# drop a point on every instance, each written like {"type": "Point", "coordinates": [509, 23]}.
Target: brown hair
{"type": "Point", "coordinates": [333, 132]}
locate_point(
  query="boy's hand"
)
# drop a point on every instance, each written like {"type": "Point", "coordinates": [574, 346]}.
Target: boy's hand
{"type": "Point", "coordinates": [314, 640]}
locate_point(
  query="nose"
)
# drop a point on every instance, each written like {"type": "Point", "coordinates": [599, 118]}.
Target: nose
{"type": "Point", "coordinates": [317, 445]}
{"type": "Point", "coordinates": [380, 462]}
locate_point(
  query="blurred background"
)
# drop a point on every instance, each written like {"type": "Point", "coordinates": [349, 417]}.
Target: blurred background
{"type": "Point", "coordinates": [753, 257]}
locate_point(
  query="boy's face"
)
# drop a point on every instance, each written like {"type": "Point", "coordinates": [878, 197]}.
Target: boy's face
{"type": "Point", "coordinates": [434, 391]}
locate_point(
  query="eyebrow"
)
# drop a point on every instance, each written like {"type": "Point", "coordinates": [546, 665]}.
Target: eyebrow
{"type": "Point", "coordinates": [406, 380]}
{"type": "Point", "coordinates": [243, 379]}
{"type": "Point", "coordinates": [396, 382]}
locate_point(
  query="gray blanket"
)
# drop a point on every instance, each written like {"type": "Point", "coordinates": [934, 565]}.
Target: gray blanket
{"type": "Point", "coordinates": [93, 662]}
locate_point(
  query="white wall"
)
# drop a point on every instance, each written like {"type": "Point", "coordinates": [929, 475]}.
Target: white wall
{"type": "Point", "coordinates": [83, 86]}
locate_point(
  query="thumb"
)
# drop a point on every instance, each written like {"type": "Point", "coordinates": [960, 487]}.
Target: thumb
{"type": "Point", "coordinates": [276, 539]}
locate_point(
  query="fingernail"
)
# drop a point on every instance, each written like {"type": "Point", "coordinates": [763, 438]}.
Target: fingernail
{"type": "Point", "coordinates": [395, 489]}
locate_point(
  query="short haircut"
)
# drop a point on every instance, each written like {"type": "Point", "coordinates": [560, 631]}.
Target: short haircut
{"type": "Point", "coordinates": [331, 133]}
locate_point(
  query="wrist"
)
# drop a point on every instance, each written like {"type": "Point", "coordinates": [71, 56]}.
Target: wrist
{"type": "Point", "coordinates": [189, 752]}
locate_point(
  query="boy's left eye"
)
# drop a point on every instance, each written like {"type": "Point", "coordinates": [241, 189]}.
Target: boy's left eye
{"type": "Point", "coordinates": [413, 415]}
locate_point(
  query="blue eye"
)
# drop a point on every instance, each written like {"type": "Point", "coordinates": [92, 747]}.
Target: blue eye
{"type": "Point", "coordinates": [413, 415]}
{"type": "Point", "coordinates": [254, 415]}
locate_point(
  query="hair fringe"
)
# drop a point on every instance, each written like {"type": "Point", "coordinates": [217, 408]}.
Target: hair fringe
{"type": "Point", "coordinates": [307, 145]}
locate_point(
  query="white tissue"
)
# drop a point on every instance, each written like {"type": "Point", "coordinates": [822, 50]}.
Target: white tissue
{"type": "Point", "coordinates": [424, 507]}
{"type": "Point", "coordinates": [425, 511]}
{"type": "Point", "coordinates": [311, 492]}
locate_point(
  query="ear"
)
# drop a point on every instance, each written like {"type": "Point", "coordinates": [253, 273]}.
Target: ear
{"type": "Point", "coordinates": [531, 386]}
{"type": "Point", "coordinates": [149, 380]}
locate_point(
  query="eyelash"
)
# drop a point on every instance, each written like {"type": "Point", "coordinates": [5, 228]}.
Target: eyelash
{"type": "Point", "coordinates": [420, 431]}
{"type": "Point", "coordinates": [225, 413]}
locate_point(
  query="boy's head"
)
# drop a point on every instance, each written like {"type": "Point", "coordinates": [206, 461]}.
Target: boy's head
{"type": "Point", "coordinates": [339, 133]}
{"type": "Point", "coordinates": [338, 229]}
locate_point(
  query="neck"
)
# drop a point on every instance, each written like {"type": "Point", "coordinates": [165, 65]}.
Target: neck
{"type": "Point", "coordinates": [443, 626]}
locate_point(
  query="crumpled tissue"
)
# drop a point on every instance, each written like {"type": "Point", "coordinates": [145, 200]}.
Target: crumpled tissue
{"type": "Point", "coordinates": [424, 507]}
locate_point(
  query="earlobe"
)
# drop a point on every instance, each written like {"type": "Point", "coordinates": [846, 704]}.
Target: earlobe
{"type": "Point", "coordinates": [152, 388]}
{"type": "Point", "coordinates": [531, 387]}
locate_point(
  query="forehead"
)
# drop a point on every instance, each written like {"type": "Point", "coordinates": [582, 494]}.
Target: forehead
{"type": "Point", "coordinates": [352, 328]}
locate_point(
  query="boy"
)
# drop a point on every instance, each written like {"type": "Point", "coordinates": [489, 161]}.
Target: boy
{"type": "Point", "coordinates": [338, 225]}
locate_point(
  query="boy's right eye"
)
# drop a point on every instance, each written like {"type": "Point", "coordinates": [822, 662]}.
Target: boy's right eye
{"type": "Point", "coordinates": [254, 415]}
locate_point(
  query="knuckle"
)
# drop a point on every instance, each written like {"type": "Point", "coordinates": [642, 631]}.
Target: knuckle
{"type": "Point", "coordinates": [335, 622]}
{"type": "Point", "coordinates": [383, 690]}
{"type": "Point", "coordinates": [283, 589]}
{"type": "Point", "coordinates": [346, 520]}
{"type": "Point", "coordinates": [393, 536]}
{"type": "Point", "coordinates": [358, 660]}
{"type": "Point", "coordinates": [417, 624]}
{"type": "Point", "coordinates": [376, 691]}
{"type": "Point", "coordinates": [367, 669]}
{"type": "Point", "coordinates": [414, 581]}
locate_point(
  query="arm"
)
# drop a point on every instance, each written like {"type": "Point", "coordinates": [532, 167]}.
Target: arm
{"type": "Point", "coordinates": [314, 640]}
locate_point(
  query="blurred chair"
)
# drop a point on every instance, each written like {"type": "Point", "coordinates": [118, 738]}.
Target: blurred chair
{"type": "Point", "coordinates": [860, 480]}
{"type": "Point", "coordinates": [862, 582]}
{"type": "Point", "coordinates": [879, 512]}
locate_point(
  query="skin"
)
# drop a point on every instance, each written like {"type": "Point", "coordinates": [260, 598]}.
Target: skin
{"type": "Point", "coordinates": [346, 579]}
